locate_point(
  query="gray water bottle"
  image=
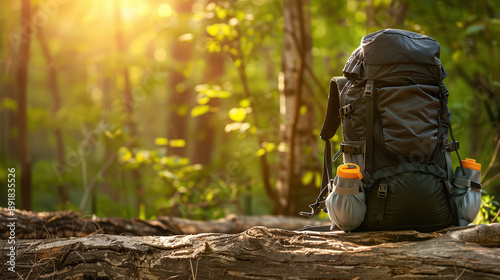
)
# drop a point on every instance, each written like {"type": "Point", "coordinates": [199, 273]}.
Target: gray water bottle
{"type": "Point", "coordinates": [345, 203]}
{"type": "Point", "coordinates": [467, 191]}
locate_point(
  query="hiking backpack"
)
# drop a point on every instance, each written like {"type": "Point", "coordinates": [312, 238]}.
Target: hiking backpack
{"type": "Point", "coordinates": [392, 105]}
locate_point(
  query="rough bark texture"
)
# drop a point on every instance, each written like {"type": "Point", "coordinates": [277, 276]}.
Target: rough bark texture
{"type": "Point", "coordinates": [297, 113]}
{"type": "Point", "coordinates": [33, 225]}
{"type": "Point", "coordinates": [22, 97]}
{"type": "Point", "coordinates": [262, 253]}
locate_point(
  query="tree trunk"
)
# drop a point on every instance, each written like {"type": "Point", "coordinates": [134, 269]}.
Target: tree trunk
{"type": "Point", "coordinates": [397, 12]}
{"type": "Point", "coordinates": [8, 115]}
{"type": "Point", "coordinates": [33, 225]}
{"type": "Point", "coordinates": [297, 113]}
{"type": "Point", "coordinates": [204, 134]}
{"type": "Point", "coordinates": [180, 93]}
{"type": "Point", "coordinates": [261, 253]}
{"type": "Point", "coordinates": [128, 105]}
{"type": "Point", "coordinates": [54, 89]}
{"type": "Point", "coordinates": [22, 116]}
{"type": "Point", "coordinates": [8, 146]}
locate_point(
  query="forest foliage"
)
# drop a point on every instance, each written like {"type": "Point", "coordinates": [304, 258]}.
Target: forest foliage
{"type": "Point", "coordinates": [164, 107]}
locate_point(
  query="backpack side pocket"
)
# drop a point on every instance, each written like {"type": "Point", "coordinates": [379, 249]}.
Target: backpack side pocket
{"type": "Point", "coordinates": [346, 206]}
{"type": "Point", "coordinates": [467, 195]}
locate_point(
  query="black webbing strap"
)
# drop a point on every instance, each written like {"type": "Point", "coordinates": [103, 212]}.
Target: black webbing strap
{"type": "Point", "coordinates": [368, 95]}
{"type": "Point", "coordinates": [456, 151]}
{"type": "Point", "coordinates": [449, 147]}
{"type": "Point", "coordinates": [444, 100]}
{"type": "Point", "coordinates": [382, 192]}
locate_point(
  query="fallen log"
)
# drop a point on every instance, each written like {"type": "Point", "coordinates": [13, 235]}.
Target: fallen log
{"type": "Point", "coordinates": [262, 253]}
{"type": "Point", "coordinates": [37, 225]}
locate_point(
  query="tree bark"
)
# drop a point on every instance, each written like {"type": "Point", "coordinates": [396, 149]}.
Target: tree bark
{"type": "Point", "coordinates": [21, 91]}
{"type": "Point", "coordinates": [204, 134]}
{"type": "Point", "coordinates": [181, 53]}
{"type": "Point", "coordinates": [262, 253]}
{"type": "Point", "coordinates": [397, 12]}
{"type": "Point", "coordinates": [56, 98]}
{"type": "Point", "coordinates": [128, 106]}
{"type": "Point", "coordinates": [33, 225]}
{"type": "Point", "coordinates": [297, 113]}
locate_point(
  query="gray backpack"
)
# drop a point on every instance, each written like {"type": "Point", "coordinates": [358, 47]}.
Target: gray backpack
{"type": "Point", "coordinates": [392, 105]}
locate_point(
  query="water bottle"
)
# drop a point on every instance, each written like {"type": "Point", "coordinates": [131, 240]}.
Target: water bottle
{"type": "Point", "coordinates": [346, 201]}
{"type": "Point", "coordinates": [467, 191]}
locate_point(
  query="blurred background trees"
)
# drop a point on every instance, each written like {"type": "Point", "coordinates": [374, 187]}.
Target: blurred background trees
{"type": "Point", "coordinates": [200, 108]}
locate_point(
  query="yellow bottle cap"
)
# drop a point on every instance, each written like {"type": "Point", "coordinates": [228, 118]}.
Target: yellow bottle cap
{"type": "Point", "coordinates": [349, 171]}
{"type": "Point", "coordinates": [471, 164]}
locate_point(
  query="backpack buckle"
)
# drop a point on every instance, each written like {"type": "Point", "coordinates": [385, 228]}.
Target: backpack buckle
{"type": "Point", "coordinates": [346, 110]}
{"type": "Point", "coordinates": [452, 146]}
{"type": "Point", "coordinates": [382, 191]}
{"type": "Point", "coordinates": [350, 149]}
{"type": "Point", "coordinates": [449, 187]}
{"type": "Point", "coordinates": [369, 89]}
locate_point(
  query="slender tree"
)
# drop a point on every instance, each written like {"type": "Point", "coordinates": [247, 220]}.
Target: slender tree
{"type": "Point", "coordinates": [56, 98]}
{"type": "Point", "coordinates": [181, 53]}
{"type": "Point", "coordinates": [204, 134]}
{"type": "Point", "coordinates": [22, 117]}
{"type": "Point", "coordinates": [297, 111]}
{"type": "Point", "coordinates": [127, 97]}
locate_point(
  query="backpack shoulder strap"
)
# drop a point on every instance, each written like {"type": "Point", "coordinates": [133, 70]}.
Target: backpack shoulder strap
{"type": "Point", "coordinates": [332, 120]}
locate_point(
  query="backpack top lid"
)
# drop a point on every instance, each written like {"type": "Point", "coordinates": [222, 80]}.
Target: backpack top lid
{"type": "Point", "coordinates": [389, 51]}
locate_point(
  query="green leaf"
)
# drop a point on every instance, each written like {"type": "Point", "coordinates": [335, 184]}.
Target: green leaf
{"type": "Point", "coordinates": [237, 114]}
{"type": "Point", "coordinates": [476, 28]}
{"type": "Point", "coordinates": [124, 154]}
{"type": "Point", "coordinates": [221, 13]}
{"type": "Point", "coordinates": [142, 156]}
{"type": "Point", "coordinates": [260, 152]}
{"type": "Point", "coordinates": [214, 46]}
{"type": "Point", "coordinates": [270, 147]}
{"type": "Point", "coordinates": [177, 143]}
{"type": "Point", "coordinates": [226, 29]}
{"type": "Point", "coordinates": [307, 177]}
{"type": "Point", "coordinates": [303, 110]}
{"type": "Point", "coordinates": [219, 94]}
{"type": "Point", "coordinates": [8, 103]}
{"type": "Point", "coordinates": [317, 179]}
{"type": "Point", "coordinates": [142, 211]}
{"type": "Point", "coordinates": [109, 134]}
{"type": "Point", "coordinates": [200, 110]}
{"type": "Point", "coordinates": [168, 175]}
{"type": "Point", "coordinates": [161, 141]}
{"type": "Point", "coordinates": [209, 196]}
{"type": "Point", "coordinates": [213, 29]}
{"type": "Point", "coordinates": [202, 98]}
{"type": "Point", "coordinates": [244, 103]}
